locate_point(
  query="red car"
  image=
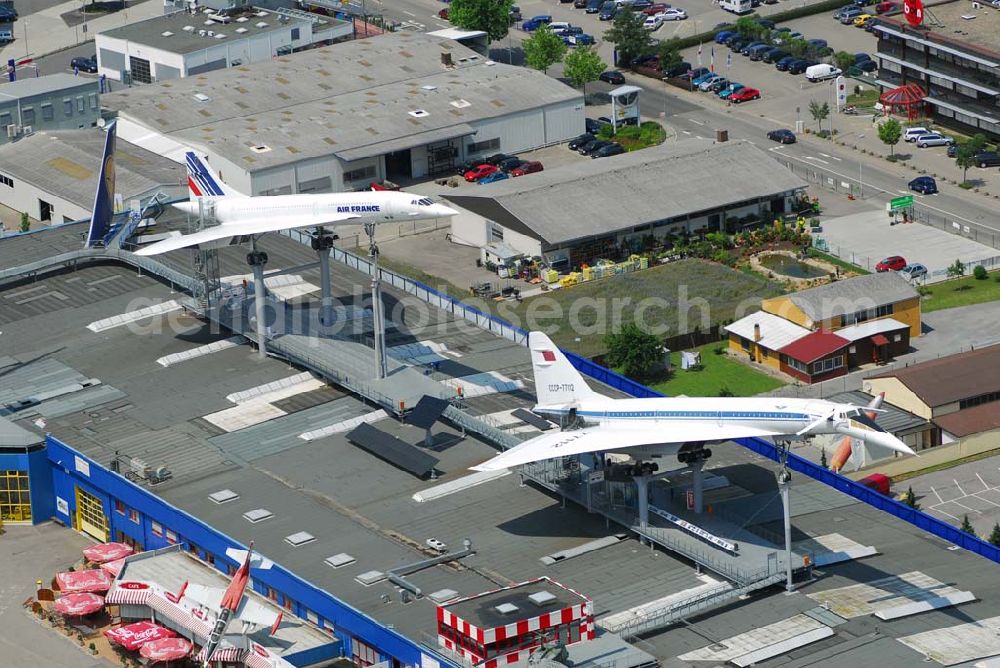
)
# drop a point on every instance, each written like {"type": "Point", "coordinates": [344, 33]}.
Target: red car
{"type": "Point", "coordinates": [443, 14]}
{"type": "Point", "coordinates": [891, 263]}
{"type": "Point", "coordinates": [745, 95]}
{"type": "Point", "coordinates": [656, 9]}
{"type": "Point", "coordinates": [883, 7]}
{"type": "Point", "coordinates": [529, 167]}
{"type": "Point", "coordinates": [481, 171]}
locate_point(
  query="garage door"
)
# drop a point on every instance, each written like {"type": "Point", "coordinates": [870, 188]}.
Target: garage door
{"type": "Point", "coordinates": [90, 517]}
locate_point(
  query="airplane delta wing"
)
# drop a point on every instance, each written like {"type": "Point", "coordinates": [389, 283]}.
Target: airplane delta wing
{"type": "Point", "coordinates": [209, 597]}
{"type": "Point", "coordinates": [244, 228]}
{"type": "Point", "coordinates": [254, 613]}
{"type": "Point", "coordinates": [605, 439]}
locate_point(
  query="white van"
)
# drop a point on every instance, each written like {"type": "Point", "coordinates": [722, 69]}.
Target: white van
{"type": "Point", "coordinates": [911, 134]}
{"type": "Point", "coordinates": [822, 71]}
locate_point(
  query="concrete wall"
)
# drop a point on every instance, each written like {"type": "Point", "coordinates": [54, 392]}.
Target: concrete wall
{"type": "Point", "coordinates": [67, 109]}
{"type": "Point", "coordinates": [24, 197]}
{"type": "Point", "coordinates": [897, 394]}
{"type": "Point", "coordinates": [758, 353]}
{"type": "Point", "coordinates": [35, 463]}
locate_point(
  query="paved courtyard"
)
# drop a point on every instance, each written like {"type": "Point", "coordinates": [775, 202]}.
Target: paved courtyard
{"type": "Point", "coordinates": [971, 490]}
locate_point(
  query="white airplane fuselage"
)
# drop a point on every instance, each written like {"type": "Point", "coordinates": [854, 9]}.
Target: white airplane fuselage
{"type": "Point", "coordinates": [368, 206]}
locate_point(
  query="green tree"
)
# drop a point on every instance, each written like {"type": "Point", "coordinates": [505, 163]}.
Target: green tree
{"type": "Point", "coordinates": [583, 65]}
{"type": "Point", "coordinates": [25, 222]}
{"type": "Point", "coordinates": [748, 27]}
{"type": "Point", "coordinates": [844, 60]}
{"type": "Point", "coordinates": [980, 273]}
{"type": "Point", "coordinates": [967, 525]}
{"type": "Point", "coordinates": [965, 157]}
{"type": "Point", "coordinates": [820, 111]}
{"type": "Point", "coordinates": [669, 55]}
{"type": "Point", "coordinates": [543, 49]}
{"type": "Point", "coordinates": [994, 538]}
{"type": "Point", "coordinates": [629, 36]}
{"type": "Point", "coordinates": [956, 270]}
{"type": "Point", "coordinates": [910, 499]}
{"type": "Point", "coordinates": [633, 350]}
{"type": "Point", "coordinates": [822, 457]}
{"type": "Point", "coordinates": [889, 133]}
{"type": "Point", "coordinates": [798, 47]}
{"type": "Point", "coordinates": [490, 16]}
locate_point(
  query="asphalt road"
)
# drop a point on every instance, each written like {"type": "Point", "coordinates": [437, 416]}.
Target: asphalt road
{"type": "Point", "coordinates": [970, 490]}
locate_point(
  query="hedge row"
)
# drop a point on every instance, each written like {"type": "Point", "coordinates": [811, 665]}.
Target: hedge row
{"type": "Point", "coordinates": [778, 17]}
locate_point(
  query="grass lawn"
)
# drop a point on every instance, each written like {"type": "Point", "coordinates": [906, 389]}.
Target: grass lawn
{"type": "Point", "coordinates": [836, 261]}
{"type": "Point", "coordinates": [960, 292]}
{"type": "Point", "coordinates": [718, 372]}
{"type": "Point", "coordinates": [868, 98]}
{"type": "Point", "coordinates": [673, 298]}
{"type": "Point", "coordinates": [633, 138]}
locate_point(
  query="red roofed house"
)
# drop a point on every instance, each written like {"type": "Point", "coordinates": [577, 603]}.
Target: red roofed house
{"type": "Point", "coordinates": [817, 356]}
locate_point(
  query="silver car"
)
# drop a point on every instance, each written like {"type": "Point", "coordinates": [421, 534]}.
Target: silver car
{"type": "Point", "coordinates": [912, 271]}
{"type": "Point", "coordinates": [933, 139]}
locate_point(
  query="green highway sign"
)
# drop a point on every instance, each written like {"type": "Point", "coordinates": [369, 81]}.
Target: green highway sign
{"type": "Point", "coordinates": [904, 202]}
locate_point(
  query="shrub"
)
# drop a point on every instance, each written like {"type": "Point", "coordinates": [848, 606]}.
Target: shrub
{"type": "Point", "coordinates": [980, 273]}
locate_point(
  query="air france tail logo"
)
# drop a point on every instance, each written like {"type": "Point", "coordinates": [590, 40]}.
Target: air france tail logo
{"type": "Point", "coordinates": [359, 208]}
{"type": "Point", "coordinates": [548, 356]}
{"type": "Point", "coordinates": [200, 180]}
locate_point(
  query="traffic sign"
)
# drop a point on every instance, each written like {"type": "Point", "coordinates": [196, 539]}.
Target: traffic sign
{"type": "Point", "coordinates": [904, 202]}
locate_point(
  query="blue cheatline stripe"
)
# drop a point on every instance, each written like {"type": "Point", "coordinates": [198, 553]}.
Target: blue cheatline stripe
{"type": "Point", "coordinates": [699, 415]}
{"type": "Point", "coordinates": [208, 185]}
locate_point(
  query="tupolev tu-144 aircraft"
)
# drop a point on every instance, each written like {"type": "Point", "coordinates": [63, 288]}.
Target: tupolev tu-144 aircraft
{"type": "Point", "coordinates": [658, 427]}
{"type": "Point", "coordinates": [242, 218]}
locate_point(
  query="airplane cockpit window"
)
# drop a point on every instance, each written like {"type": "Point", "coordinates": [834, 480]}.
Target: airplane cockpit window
{"type": "Point", "coordinates": [425, 201]}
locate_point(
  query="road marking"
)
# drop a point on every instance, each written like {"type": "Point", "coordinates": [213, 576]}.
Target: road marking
{"type": "Point", "coordinates": [959, 487]}
{"type": "Point", "coordinates": [685, 132]}
{"type": "Point", "coordinates": [750, 142]}
{"type": "Point", "coordinates": [940, 500]}
{"type": "Point", "coordinates": [985, 486]}
{"type": "Point", "coordinates": [695, 122]}
{"type": "Point", "coordinates": [966, 507]}
{"type": "Point", "coordinates": [409, 13]}
{"type": "Point", "coordinates": [986, 500]}
{"type": "Point", "coordinates": [933, 509]}
{"type": "Point", "coordinates": [810, 157]}
{"type": "Point", "coordinates": [903, 192]}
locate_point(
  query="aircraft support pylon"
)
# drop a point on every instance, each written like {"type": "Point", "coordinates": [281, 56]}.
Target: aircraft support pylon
{"type": "Point", "coordinates": [257, 259]}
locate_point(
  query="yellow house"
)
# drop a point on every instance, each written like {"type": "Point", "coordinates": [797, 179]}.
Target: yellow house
{"type": "Point", "coordinates": [759, 336]}
{"type": "Point", "coordinates": [849, 302]}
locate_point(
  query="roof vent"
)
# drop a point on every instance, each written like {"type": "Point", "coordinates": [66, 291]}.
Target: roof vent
{"type": "Point", "coordinates": [242, 30]}
{"type": "Point", "coordinates": [209, 23]}
{"type": "Point", "coordinates": [300, 538]}
{"type": "Point", "coordinates": [188, 28]}
{"type": "Point", "coordinates": [261, 24]}
{"type": "Point", "coordinates": [542, 598]}
{"type": "Point", "coordinates": [261, 148]}
{"type": "Point", "coordinates": [242, 19]}
{"type": "Point", "coordinates": [446, 59]}
{"type": "Point", "coordinates": [201, 97]}
{"type": "Point", "coordinates": [258, 515]}
{"type": "Point", "coordinates": [461, 104]}
{"type": "Point", "coordinates": [223, 496]}
{"type": "Point", "coordinates": [506, 608]}
{"type": "Point", "coordinates": [166, 33]}
{"type": "Point", "coordinates": [202, 32]}
{"type": "Point", "coordinates": [338, 560]}
{"type": "Point", "coordinates": [419, 113]}
{"type": "Point", "coordinates": [220, 35]}
{"type": "Point", "coordinates": [261, 13]}
{"type": "Point", "coordinates": [211, 33]}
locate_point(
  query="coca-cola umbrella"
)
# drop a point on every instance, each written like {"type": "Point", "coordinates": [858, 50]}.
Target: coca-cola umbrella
{"type": "Point", "coordinates": [92, 579]}
{"type": "Point", "coordinates": [77, 605]}
{"type": "Point", "coordinates": [167, 649]}
{"type": "Point", "coordinates": [136, 635]}
{"type": "Point", "coordinates": [113, 568]}
{"type": "Point", "coordinates": [107, 552]}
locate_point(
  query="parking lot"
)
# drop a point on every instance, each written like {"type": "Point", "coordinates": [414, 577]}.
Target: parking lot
{"type": "Point", "coordinates": [971, 490]}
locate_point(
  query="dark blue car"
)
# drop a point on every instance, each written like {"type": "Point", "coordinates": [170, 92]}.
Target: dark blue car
{"type": "Point", "coordinates": [721, 37]}
{"type": "Point", "coordinates": [924, 185]}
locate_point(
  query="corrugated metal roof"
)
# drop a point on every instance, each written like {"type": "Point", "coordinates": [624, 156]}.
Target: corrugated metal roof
{"type": "Point", "coordinates": [30, 86]}
{"type": "Point", "coordinates": [15, 435]}
{"type": "Point", "coordinates": [775, 332]}
{"type": "Point", "coordinates": [871, 328]}
{"type": "Point", "coordinates": [975, 420]}
{"type": "Point", "coordinates": [952, 378]}
{"type": "Point", "coordinates": [854, 294]}
{"type": "Point", "coordinates": [813, 346]}
{"type": "Point", "coordinates": [599, 197]}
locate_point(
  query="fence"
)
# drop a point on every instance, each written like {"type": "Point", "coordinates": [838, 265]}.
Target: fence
{"type": "Point", "coordinates": [868, 262]}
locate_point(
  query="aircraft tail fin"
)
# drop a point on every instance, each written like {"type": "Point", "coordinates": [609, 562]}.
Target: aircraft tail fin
{"type": "Point", "coordinates": [104, 199]}
{"type": "Point", "coordinates": [203, 181]}
{"type": "Point", "coordinates": [557, 382]}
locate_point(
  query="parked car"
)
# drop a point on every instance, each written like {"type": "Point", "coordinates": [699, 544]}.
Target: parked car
{"type": "Point", "coordinates": [608, 11]}
{"type": "Point", "coordinates": [745, 51]}
{"type": "Point", "coordinates": [817, 43]}
{"type": "Point", "coordinates": [800, 66]}
{"type": "Point", "coordinates": [737, 45]}
{"type": "Point", "coordinates": [925, 185]}
{"type": "Point", "coordinates": [859, 20]}
{"type": "Point", "coordinates": [84, 64]}
{"type": "Point", "coordinates": [870, 24]}
{"type": "Point", "coordinates": [496, 159]}
{"type": "Point", "coordinates": [655, 8]}
{"type": "Point", "coordinates": [580, 4]}
{"type": "Point", "coordinates": [612, 77]}
{"type": "Point", "coordinates": [641, 5]}
{"type": "Point", "coordinates": [480, 171]}
{"type": "Point", "coordinates": [934, 139]}
{"type": "Point", "coordinates": [987, 159]}
{"type": "Point", "coordinates": [568, 30]}
{"type": "Point", "coordinates": [593, 126]}
{"type": "Point", "coordinates": [695, 73]}
{"type": "Point", "coordinates": [730, 89]}
{"type": "Point", "coordinates": [783, 64]}
{"type": "Point", "coordinates": [702, 78]}
{"type": "Point", "coordinates": [867, 66]}
{"type": "Point", "coordinates": [767, 23]}
{"type": "Point", "coordinates": [757, 53]}
{"type": "Point", "coordinates": [583, 39]}
{"type": "Point", "coordinates": [531, 25]}
{"type": "Point", "coordinates": [774, 54]}
{"type": "Point", "coordinates": [912, 271]}
{"type": "Point", "coordinates": [652, 23]}
{"type": "Point", "coordinates": [673, 14]}
{"type": "Point", "coordinates": [510, 163]}
{"type": "Point", "coordinates": [594, 6]}
{"type": "Point", "coordinates": [891, 263]}
{"type": "Point", "coordinates": [822, 72]}
{"type": "Point", "coordinates": [679, 71]}
{"type": "Point", "coordinates": [491, 178]}
{"type": "Point", "coordinates": [718, 85]}
{"type": "Point", "coordinates": [883, 7]}
{"type": "Point", "coordinates": [838, 14]}
{"type": "Point", "coordinates": [515, 13]}
{"type": "Point", "coordinates": [468, 166]}
{"type": "Point", "coordinates": [592, 146]}
{"type": "Point", "coordinates": [782, 136]}
{"type": "Point", "coordinates": [608, 151]}
{"type": "Point", "coordinates": [8, 13]}
{"type": "Point", "coordinates": [952, 150]}
{"type": "Point", "coordinates": [709, 82]}
{"type": "Point", "coordinates": [745, 95]}
{"type": "Point", "coordinates": [848, 14]}
{"type": "Point", "coordinates": [911, 134]}
{"type": "Point", "coordinates": [577, 142]}
{"type": "Point", "coordinates": [529, 167]}
{"type": "Point", "coordinates": [721, 37]}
